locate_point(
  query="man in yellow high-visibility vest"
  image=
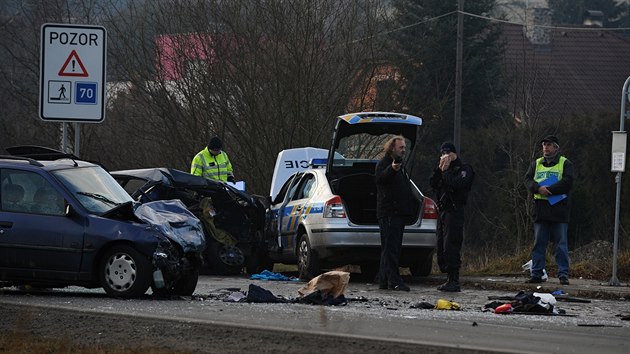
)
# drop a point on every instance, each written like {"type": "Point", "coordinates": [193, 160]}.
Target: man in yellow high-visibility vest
{"type": "Point", "coordinates": [550, 178]}
{"type": "Point", "coordinates": [213, 163]}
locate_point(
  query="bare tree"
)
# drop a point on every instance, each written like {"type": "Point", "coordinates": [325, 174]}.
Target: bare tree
{"type": "Point", "coordinates": [264, 76]}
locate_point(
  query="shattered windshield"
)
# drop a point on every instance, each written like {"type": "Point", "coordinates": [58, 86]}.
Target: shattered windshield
{"type": "Point", "coordinates": [362, 147]}
{"type": "Point", "coordinates": [94, 188]}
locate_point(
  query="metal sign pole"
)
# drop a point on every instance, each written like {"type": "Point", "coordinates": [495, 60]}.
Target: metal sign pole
{"type": "Point", "coordinates": [64, 137]}
{"type": "Point", "coordinates": [614, 281]}
{"type": "Point", "coordinates": [77, 138]}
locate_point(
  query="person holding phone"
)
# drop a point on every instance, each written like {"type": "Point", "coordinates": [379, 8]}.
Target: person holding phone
{"type": "Point", "coordinates": [451, 180]}
{"type": "Point", "coordinates": [394, 201]}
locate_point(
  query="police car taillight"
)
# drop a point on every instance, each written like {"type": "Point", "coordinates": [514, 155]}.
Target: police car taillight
{"type": "Point", "coordinates": [429, 209]}
{"type": "Point", "coordinates": [333, 208]}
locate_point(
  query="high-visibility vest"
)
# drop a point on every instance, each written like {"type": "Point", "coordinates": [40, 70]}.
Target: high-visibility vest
{"type": "Point", "coordinates": [210, 166]}
{"type": "Point", "coordinates": [542, 173]}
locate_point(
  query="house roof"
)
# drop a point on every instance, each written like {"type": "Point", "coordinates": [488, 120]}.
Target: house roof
{"type": "Point", "coordinates": [577, 72]}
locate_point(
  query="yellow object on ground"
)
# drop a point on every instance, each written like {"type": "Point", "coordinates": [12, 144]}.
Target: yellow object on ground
{"type": "Point", "coordinates": [442, 304]}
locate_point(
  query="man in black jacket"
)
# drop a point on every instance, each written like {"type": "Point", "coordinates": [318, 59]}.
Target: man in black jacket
{"type": "Point", "coordinates": [394, 201]}
{"type": "Point", "coordinates": [451, 180]}
{"type": "Point", "coordinates": [550, 178]}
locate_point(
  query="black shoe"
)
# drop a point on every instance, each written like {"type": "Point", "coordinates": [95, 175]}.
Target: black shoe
{"type": "Point", "coordinates": [534, 280]}
{"type": "Point", "coordinates": [450, 286]}
{"type": "Point", "coordinates": [382, 287]}
{"type": "Point", "coordinates": [564, 280]}
{"type": "Point", "coordinates": [400, 287]}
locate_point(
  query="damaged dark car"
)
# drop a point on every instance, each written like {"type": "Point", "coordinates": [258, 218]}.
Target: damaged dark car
{"type": "Point", "coordinates": [233, 220]}
{"type": "Point", "coordinates": [66, 222]}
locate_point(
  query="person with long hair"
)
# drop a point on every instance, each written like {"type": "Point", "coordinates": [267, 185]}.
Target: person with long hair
{"type": "Point", "coordinates": [393, 203]}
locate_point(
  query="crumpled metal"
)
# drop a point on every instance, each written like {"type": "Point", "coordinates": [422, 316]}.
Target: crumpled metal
{"type": "Point", "coordinates": [173, 219]}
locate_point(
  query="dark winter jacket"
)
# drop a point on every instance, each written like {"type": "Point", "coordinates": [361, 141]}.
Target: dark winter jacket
{"type": "Point", "coordinates": [393, 190]}
{"type": "Point", "coordinates": [543, 211]}
{"type": "Point", "coordinates": [452, 186]}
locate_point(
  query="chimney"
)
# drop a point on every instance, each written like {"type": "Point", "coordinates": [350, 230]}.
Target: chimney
{"type": "Point", "coordinates": [536, 17]}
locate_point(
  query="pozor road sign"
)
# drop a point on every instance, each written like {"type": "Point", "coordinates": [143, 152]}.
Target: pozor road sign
{"type": "Point", "coordinates": [72, 73]}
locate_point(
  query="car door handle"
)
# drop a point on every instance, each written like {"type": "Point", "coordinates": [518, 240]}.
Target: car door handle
{"type": "Point", "coordinates": [6, 224]}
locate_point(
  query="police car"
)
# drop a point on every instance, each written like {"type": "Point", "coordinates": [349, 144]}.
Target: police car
{"type": "Point", "coordinates": [323, 202]}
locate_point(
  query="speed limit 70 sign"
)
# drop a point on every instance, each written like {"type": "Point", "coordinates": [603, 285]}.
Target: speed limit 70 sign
{"type": "Point", "coordinates": [72, 73]}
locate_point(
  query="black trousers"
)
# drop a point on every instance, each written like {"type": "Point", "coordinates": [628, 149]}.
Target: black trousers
{"type": "Point", "coordinates": [450, 230]}
{"type": "Point", "coordinates": [392, 228]}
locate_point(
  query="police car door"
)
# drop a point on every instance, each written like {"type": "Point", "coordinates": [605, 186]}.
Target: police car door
{"type": "Point", "coordinates": [294, 210]}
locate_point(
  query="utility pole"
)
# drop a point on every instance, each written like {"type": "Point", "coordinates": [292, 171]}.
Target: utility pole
{"type": "Point", "coordinates": [457, 128]}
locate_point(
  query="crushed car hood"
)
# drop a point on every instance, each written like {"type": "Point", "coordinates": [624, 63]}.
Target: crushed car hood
{"type": "Point", "coordinates": [179, 179]}
{"type": "Point", "coordinates": [175, 221]}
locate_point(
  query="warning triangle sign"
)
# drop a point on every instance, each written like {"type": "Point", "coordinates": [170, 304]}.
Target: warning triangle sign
{"type": "Point", "coordinates": [73, 66]}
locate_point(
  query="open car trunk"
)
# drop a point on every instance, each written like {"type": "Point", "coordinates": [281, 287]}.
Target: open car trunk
{"type": "Point", "coordinates": [357, 146]}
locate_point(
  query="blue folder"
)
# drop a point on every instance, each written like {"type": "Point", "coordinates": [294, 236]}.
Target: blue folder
{"type": "Point", "coordinates": [552, 199]}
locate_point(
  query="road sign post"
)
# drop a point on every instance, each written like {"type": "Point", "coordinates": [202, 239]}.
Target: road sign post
{"type": "Point", "coordinates": [618, 165]}
{"type": "Point", "coordinates": [72, 73]}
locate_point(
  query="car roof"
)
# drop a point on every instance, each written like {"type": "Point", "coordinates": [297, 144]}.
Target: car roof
{"type": "Point", "coordinates": [59, 164]}
{"type": "Point", "coordinates": [37, 152]}
{"type": "Point", "coordinates": [42, 157]}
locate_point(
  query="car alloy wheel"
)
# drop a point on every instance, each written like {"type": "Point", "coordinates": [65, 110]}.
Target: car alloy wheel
{"type": "Point", "coordinates": [231, 256]}
{"type": "Point", "coordinates": [308, 262]}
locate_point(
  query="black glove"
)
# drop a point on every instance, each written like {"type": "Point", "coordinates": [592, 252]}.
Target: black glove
{"type": "Point", "coordinates": [231, 179]}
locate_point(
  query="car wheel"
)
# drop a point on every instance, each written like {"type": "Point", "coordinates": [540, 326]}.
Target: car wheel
{"type": "Point", "coordinates": [224, 259]}
{"type": "Point", "coordinates": [424, 265]}
{"type": "Point", "coordinates": [308, 262]}
{"type": "Point", "coordinates": [231, 256]}
{"type": "Point", "coordinates": [124, 272]}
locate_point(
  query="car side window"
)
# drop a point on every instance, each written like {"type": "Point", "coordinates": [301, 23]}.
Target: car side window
{"type": "Point", "coordinates": [29, 192]}
{"type": "Point", "coordinates": [285, 189]}
{"type": "Point", "coordinates": [309, 187]}
{"type": "Point", "coordinates": [292, 193]}
{"type": "Point", "coordinates": [11, 193]}
{"type": "Point", "coordinates": [305, 187]}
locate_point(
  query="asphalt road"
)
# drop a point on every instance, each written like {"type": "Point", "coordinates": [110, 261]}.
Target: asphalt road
{"type": "Point", "coordinates": [373, 320]}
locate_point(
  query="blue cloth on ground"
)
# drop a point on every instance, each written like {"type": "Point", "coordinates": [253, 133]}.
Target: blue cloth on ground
{"type": "Point", "coordinates": [267, 275]}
